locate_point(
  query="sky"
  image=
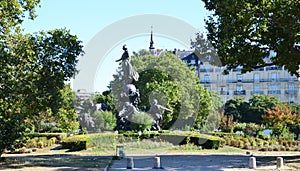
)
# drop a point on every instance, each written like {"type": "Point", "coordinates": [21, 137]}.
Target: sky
{"type": "Point", "coordinates": [86, 18]}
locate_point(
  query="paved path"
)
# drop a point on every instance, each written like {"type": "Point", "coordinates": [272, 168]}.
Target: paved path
{"type": "Point", "coordinates": [200, 162]}
{"type": "Point", "coordinates": [216, 162]}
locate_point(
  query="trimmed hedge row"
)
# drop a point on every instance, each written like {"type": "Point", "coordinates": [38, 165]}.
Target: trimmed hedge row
{"type": "Point", "coordinates": [58, 136]}
{"type": "Point", "coordinates": [205, 141]}
{"type": "Point", "coordinates": [82, 142]}
{"type": "Point", "coordinates": [108, 140]}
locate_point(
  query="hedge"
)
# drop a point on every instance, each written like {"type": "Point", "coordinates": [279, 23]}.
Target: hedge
{"type": "Point", "coordinates": [206, 141]}
{"type": "Point", "coordinates": [58, 136]}
{"type": "Point", "coordinates": [76, 143]}
{"type": "Point", "coordinates": [82, 142]}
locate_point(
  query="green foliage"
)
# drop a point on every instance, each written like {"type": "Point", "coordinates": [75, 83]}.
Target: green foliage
{"type": "Point", "coordinates": [34, 69]}
{"type": "Point", "coordinates": [226, 124]}
{"type": "Point", "coordinates": [258, 107]}
{"type": "Point", "coordinates": [40, 142]}
{"type": "Point", "coordinates": [142, 121]}
{"type": "Point", "coordinates": [214, 117]}
{"type": "Point", "coordinates": [104, 120]}
{"type": "Point", "coordinates": [168, 79]}
{"type": "Point", "coordinates": [279, 118]}
{"type": "Point", "coordinates": [66, 118]}
{"type": "Point", "coordinates": [251, 111]}
{"type": "Point", "coordinates": [76, 143]}
{"type": "Point", "coordinates": [12, 13]}
{"type": "Point", "coordinates": [245, 32]}
{"type": "Point", "coordinates": [206, 141]}
{"type": "Point", "coordinates": [105, 98]}
{"type": "Point", "coordinates": [58, 136]}
{"type": "Point", "coordinates": [236, 107]}
{"type": "Point", "coordinates": [82, 142]}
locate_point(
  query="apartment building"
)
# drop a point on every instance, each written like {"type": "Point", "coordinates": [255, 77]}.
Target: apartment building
{"type": "Point", "coordinates": [270, 80]}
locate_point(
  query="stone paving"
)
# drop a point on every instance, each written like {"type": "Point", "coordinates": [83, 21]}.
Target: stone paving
{"type": "Point", "coordinates": [215, 162]}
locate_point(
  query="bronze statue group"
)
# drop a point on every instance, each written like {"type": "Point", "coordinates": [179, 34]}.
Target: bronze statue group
{"type": "Point", "coordinates": [130, 97]}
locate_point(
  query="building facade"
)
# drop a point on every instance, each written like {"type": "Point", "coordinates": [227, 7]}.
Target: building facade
{"type": "Point", "coordinates": [270, 80]}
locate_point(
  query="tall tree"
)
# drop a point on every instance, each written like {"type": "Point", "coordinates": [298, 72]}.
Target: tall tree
{"type": "Point", "coordinates": [259, 104]}
{"type": "Point", "coordinates": [33, 70]}
{"type": "Point", "coordinates": [236, 107]}
{"type": "Point", "coordinates": [245, 32]}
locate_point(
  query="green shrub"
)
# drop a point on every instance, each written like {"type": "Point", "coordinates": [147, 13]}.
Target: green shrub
{"type": "Point", "coordinates": [142, 121]}
{"type": "Point", "coordinates": [58, 136]}
{"type": "Point", "coordinates": [105, 120]}
{"type": "Point", "coordinates": [76, 143]}
{"type": "Point", "coordinates": [206, 141]}
{"type": "Point", "coordinates": [82, 142]}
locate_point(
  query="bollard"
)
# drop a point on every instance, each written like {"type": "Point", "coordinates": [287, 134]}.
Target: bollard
{"type": "Point", "coordinates": [120, 151]}
{"type": "Point", "coordinates": [279, 163]}
{"type": "Point", "coordinates": [252, 163]}
{"type": "Point", "coordinates": [130, 164]}
{"type": "Point", "coordinates": [156, 164]}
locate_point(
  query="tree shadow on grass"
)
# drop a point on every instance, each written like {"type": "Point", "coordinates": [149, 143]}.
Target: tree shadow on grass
{"type": "Point", "coordinates": [63, 161]}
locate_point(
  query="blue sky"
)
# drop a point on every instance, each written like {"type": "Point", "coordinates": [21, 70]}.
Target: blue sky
{"type": "Point", "coordinates": [86, 18]}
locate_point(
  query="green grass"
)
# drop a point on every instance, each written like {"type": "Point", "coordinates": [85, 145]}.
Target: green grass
{"type": "Point", "coordinates": [55, 161]}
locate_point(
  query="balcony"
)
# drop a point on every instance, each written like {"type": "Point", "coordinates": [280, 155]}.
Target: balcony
{"type": "Point", "coordinates": [274, 92]}
{"type": "Point", "coordinates": [292, 92]}
{"type": "Point", "coordinates": [241, 92]}
{"type": "Point", "coordinates": [257, 92]}
{"type": "Point", "coordinates": [224, 92]}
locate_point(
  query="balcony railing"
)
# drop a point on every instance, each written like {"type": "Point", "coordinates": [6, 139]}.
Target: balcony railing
{"type": "Point", "coordinates": [257, 92]}
{"type": "Point", "coordinates": [214, 81]}
{"type": "Point", "coordinates": [241, 92]}
{"type": "Point", "coordinates": [294, 92]}
{"type": "Point", "coordinates": [274, 92]}
{"type": "Point", "coordinates": [224, 92]}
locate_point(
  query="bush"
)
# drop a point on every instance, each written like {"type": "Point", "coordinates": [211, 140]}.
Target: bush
{"type": "Point", "coordinates": [82, 142]}
{"type": "Point", "coordinates": [105, 120]}
{"type": "Point", "coordinates": [206, 141]}
{"type": "Point", "coordinates": [59, 136]}
{"type": "Point", "coordinates": [142, 121]}
{"type": "Point", "coordinates": [40, 142]}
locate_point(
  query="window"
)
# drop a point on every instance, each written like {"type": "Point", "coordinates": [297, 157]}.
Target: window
{"type": "Point", "coordinates": [239, 77]}
{"type": "Point", "coordinates": [223, 90]}
{"type": "Point", "coordinates": [206, 78]}
{"type": "Point", "coordinates": [239, 88]}
{"type": "Point", "coordinates": [291, 87]}
{"type": "Point", "coordinates": [256, 78]}
{"type": "Point", "coordinates": [256, 89]}
{"type": "Point", "coordinates": [273, 76]}
{"type": "Point", "coordinates": [274, 89]}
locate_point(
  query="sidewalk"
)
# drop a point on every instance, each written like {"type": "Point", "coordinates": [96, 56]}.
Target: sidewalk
{"type": "Point", "coordinates": [215, 162]}
{"type": "Point", "coordinates": [185, 162]}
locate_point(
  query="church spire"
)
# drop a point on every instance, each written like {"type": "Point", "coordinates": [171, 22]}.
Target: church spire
{"type": "Point", "coordinates": [151, 47]}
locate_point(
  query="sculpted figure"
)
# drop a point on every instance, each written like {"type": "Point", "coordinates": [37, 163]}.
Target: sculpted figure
{"type": "Point", "coordinates": [130, 74]}
{"type": "Point", "coordinates": [156, 111]}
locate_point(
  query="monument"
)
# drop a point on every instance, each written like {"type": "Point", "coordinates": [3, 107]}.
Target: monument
{"type": "Point", "coordinates": [130, 97]}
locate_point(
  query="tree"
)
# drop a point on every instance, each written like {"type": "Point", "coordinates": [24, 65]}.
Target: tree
{"type": "Point", "coordinates": [214, 117]}
{"type": "Point", "coordinates": [259, 104]}
{"type": "Point", "coordinates": [204, 49]}
{"type": "Point", "coordinates": [237, 107]}
{"type": "Point", "coordinates": [167, 79]}
{"type": "Point", "coordinates": [279, 118]}
{"type": "Point", "coordinates": [33, 70]}
{"type": "Point", "coordinates": [13, 13]}
{"type": "Point", "coordinates": [245, 32]}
